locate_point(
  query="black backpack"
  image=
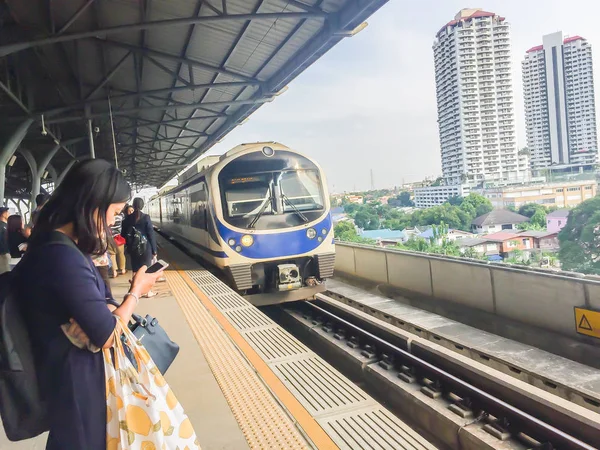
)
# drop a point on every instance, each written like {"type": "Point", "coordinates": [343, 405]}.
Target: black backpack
{"type": "Point", "coordinates": [136, 241]}
{"type": "Point", "coordinates": [23, 411]}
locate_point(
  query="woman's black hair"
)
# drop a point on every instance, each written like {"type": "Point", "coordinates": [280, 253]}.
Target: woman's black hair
{"type": "Point", "coordinates": [14, 223]}
{"type": "Point", "coordinates": [91, 185]}
{"type": "Point", "coordinates": [138, 205]}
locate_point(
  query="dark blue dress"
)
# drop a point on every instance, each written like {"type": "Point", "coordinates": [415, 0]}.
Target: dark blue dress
{"type": "Point", "coordinates": [57, 283]}
{"type": "Point", "coordinates": [144, 226]}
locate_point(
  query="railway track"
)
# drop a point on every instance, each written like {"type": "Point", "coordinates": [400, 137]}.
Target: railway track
{"type": "Point", "coordinates": [498, 411]}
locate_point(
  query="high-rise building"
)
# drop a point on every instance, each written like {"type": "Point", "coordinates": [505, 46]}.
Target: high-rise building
{"type": "Point", "coordinates": [560, 111]}
{"type": "Point", "coordinates": [475, 99]}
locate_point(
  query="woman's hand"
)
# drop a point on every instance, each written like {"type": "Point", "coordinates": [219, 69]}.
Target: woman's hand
{"type": "Point", "coordinates": [142, 282]}
{"type": "Point", "coordinates": [75, 331]}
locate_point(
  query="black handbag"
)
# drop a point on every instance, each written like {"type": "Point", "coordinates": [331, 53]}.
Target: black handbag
{"type": "Point", "coordinates": [155, 340]}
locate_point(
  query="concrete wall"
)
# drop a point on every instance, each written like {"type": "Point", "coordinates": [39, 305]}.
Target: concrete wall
{"type": "Point", "coordinates": [537, 297]}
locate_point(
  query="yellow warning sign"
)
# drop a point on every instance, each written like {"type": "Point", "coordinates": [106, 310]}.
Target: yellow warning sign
{"type": "Point", "coordinates": [587, 322]}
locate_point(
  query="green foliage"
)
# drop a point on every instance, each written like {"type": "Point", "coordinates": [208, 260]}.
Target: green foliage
{"type": "Point", "coordinates": [478, 203]}
{"type": "Point", "coordinates": [345, 231]}
{"type": "Point", "coordinates": [445, 247]}
{"type": "Point", "coordinates": [530, 209]}
{"type": "Point", "coordinates": [456, 200]}
{"type": "Point", "coordinates": [402, 200]}
{"type": "Point", "coordinates": [539, 218]}
{"type": "Point", "coordinates": [580, 239]}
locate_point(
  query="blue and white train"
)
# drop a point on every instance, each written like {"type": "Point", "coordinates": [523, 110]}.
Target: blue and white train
{"type": "Point", "coordinates": [261, 214]}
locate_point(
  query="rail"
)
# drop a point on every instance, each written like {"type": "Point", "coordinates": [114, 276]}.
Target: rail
{"type": "Point", "coordinates": [568, 432]}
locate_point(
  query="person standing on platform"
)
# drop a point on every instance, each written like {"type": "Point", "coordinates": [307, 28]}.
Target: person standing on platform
{"type": "Point", "coordinates": [4, 249]}
{"type": "Point", "coordinates": [139, 234]}
{"type": "Point", "coordinates": [40, 200]}
{"type": "Point", "coordinates": [58, 284]}
{"type": "Point", "coordinates": [117, 250]}
{"type": "Point", "coordinates": [16, 236]}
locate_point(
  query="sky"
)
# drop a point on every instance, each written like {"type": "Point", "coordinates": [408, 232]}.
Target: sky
{"type": "Point", "coordinates": [369, 103]}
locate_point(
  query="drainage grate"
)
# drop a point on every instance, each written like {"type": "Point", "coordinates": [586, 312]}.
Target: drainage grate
{"type": "Point", "coordinates": [229, 301]}
{"type": "Point", "coordinates": [247, 318]}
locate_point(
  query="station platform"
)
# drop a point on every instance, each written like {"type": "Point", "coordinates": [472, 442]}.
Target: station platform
{"type": "Point", "coordinates": [247, 383]}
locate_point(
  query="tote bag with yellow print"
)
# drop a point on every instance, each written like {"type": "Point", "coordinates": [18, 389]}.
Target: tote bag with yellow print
{"type": "Point", "coordinates": [142, 411]}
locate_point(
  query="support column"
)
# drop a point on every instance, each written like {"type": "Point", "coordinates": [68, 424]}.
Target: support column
{"type": "Point", "coordinates": [9, 149]}
{"type": "Point", "coordinates": [53, 173]}
{"type": "Point", "coordinates": [35, 176]}
{"type": "Point", "coordinates": [41, 168]}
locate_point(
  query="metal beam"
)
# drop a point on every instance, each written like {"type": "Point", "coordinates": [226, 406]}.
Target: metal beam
{"type": "Point", "coordinates": [169, 139]}
{"type": "Point", "coordinates": [74, 17]}
{"type": "Point", "coordinates": [168, 71]}
{"type": "Point", "coordinates": [163, 107]}
{"type": "Point", "coordinates": [153, 124]}
{"type": "Point", "coordinates": [14, 98]}
{"type": "Point", "coordinates": [175, 58]}
{"type": "Point", "coordinates": [19, 46]}
{"type": "Point", "coordinates": [304, 6]}
{"type": "Point", "coordinates": [108, 76]}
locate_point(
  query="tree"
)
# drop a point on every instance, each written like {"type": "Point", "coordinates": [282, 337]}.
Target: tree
{"type": "Point", "coordinates": [529, 209]}
{"type": "Point", "coordinates": [455, 200]}
{"type": "Point", "coordinates": [539, 218]}
{"type": "Point", "coordinates": [481, 204]}
{"type": "Point", "coordinates": [345, 231]}
{"type": "Point", "coordinates": [580, 239]}
{"type": "Point", "coordinates": [367, 220]}
{"type": "Point", "coordinates": [404, 199]}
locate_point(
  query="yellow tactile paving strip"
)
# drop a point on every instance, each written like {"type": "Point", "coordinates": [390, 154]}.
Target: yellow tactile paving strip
{"type": "Point", "coordinates": [262, 420]}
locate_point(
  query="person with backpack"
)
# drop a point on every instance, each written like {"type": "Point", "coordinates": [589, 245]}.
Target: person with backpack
{"type": "Point", "coordinates": [139, 237]}
{"type": "Point", "coordinates": [61, 299]}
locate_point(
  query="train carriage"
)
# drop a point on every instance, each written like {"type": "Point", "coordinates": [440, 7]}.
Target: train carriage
{"type": "Point", "coordinates": [261, 214]}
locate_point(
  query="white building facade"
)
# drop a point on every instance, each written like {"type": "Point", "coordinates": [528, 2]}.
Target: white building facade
{"type": "Point", "coordinates": [427, 197]}
{"type": "Point", "coordinates": [475, 99]}
{"type": "Point", "coordinates": [560, 108]}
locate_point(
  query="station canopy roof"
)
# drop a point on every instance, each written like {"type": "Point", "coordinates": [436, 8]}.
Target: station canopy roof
{"type": "Point", "coordinates": [180, 74]}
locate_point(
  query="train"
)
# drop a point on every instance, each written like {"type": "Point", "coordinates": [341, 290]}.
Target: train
{"type": "Point", "coordinates": [259, 214]}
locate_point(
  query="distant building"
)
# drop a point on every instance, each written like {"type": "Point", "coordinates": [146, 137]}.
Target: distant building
{"type": "Point", "coordinates": [509, 242]}
{"type": "Point", "coordinates": [564, 194]}
{"type": "Point", "coordinates": [356, 199]}
{"type": "Point", "coordinates": [497, 220]}
{"type": "Point", "coordinates": [481, 246]}
{"type": "Point", "coordinates": [385, 237]}
{"type": "Point", "coordinates": [427, 197]}
{"type": "Point", "coordinates": [475, 101]}
{"type": "Point", "coordinates": [560, 111]}
{"type": "Point", "coordinates": [452, 235]}
{"type": "Point", "coordinates": [543, 240]}
{"type": "Point", "coordinates": [555, 221]}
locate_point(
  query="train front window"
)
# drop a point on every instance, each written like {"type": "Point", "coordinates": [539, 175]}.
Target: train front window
{"type": "Point", "coordinates": [270, 200]}
{"type": "Point", "coordinates": [246, 199]}
{"type": "Point", "coordinates": [301, 190]}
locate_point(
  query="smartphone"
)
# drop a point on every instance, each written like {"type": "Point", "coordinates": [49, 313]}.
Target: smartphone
{"type": "Point", "coordinates": [157, 266]}
{"type": "Point", "coordinates": [23, 246]}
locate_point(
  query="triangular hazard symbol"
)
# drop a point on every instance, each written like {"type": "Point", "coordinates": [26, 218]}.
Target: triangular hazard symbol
{"type": "Point", "coordinates": [584, 324]}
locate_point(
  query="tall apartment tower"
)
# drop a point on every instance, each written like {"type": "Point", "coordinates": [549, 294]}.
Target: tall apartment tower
{"type": "Point", "coordinates": [475, 99]}
{"type": "Point", "coordinates": [560, 110]}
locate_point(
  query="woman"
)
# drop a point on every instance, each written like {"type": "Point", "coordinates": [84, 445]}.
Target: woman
{"type": "Point", "coordinates": [60, 285]}
{"type": "Point", "coordinates": [117, 251]}
{"type": "Point", "coordinates": [16, 236]}
{"type": "Point", "coordinates": [140, 222]}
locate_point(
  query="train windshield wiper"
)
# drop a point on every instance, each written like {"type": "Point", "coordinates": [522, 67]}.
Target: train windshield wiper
{"type": "Point", "coordinates": [294, 207]}
{"type": "Point", "coordinates": [261, 211]}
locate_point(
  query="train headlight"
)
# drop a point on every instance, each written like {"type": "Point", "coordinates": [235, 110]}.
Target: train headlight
{"type": "Point", "coordinates": [247, 240]}
{"type": "Point", "coordinates": [311, 233]}
{"type": "Point", "coordinates": [238, 248]}
{"type": "Point", "coordinates": [231, 242]}
{"type": "Point", "coordinates": [324, 231]}
{"type": "Point", "coordinates": [268, 151]}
